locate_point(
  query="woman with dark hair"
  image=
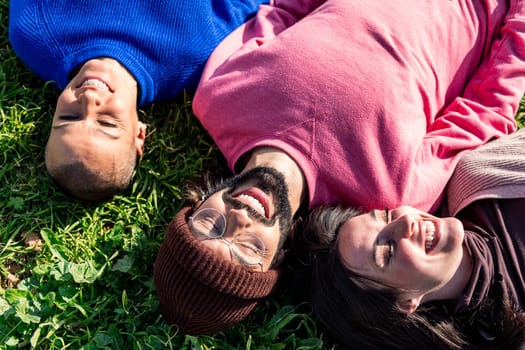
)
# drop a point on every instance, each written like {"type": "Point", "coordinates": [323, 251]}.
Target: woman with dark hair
{"type": "Point", "coordinates": [406, 279]}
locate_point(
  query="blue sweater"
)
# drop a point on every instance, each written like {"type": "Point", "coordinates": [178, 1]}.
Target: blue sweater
{"type": "Point", "coordinates": [163, 44]}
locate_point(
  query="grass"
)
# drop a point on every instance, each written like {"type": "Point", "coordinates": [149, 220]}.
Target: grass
{"type": "Point", "coordinates": [80, 277]}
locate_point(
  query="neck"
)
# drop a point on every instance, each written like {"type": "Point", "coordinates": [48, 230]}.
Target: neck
{"type": "Point", "coordinates": [455, 287]}
{"type": "Point", "coordinates": [279, 160]}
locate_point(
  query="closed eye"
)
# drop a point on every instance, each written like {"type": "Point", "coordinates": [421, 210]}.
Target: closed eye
{"type": "Point", "coordinates": [384, 252]}
{"type": "Point", "coordinates": [102, 122]}
{"type": "Point", "coordinates": [209, 227]}
{"type": "Point", "coordinates": [107, 124]}
{"type": "Point", "coordinates": [69, 117]}
{"type": "Point", "coordinates": [250, 249]}
{"type": "Point", "coordinates": [250, 246]}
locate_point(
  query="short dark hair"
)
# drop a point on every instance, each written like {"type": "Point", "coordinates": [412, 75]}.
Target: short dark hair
{"type": "Point", "coordinates": [90, 185]}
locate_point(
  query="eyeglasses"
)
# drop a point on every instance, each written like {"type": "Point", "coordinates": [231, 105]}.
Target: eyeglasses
{"type": "Point", "coordinates": [247, 248]}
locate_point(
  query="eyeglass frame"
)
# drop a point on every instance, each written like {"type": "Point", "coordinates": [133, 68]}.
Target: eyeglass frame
{"type": "Point", "coordinates": [233, 252]}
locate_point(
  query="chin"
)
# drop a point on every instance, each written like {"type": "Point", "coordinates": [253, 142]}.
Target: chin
{"type": "Point", "coordinates": [454, 229]}
{"type": "Point", "coordinates": [456, 236]}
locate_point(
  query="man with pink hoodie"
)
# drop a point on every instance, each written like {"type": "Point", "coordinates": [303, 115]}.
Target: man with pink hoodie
{"type": "Point", "coordinates": [363, 103]}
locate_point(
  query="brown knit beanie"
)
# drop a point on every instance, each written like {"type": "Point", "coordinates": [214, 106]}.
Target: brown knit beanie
{"type": "Point", "coordinates": [200, 292]}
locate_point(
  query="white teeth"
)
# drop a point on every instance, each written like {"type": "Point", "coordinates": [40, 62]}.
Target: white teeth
{"type": "Point", "coordinates": [430, 230]}
{"type": "Point", "coordinates": [254, 203]}
{"type": "Point", "coordinates": [97, 83]}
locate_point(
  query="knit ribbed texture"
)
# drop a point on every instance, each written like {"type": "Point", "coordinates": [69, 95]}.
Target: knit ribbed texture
{"type": "Point", "coordinates": [164, 44]}
{"type": "Point", "coordinates": [199, 292]}
{"type": "Point", "coordinates": [495, 170]}
{"type": "Point", "coordinates": [375, 113]}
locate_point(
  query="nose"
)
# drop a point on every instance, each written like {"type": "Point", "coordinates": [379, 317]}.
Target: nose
{"type": "Point", "coordinates": [89, 101]}
{"type": "Point", "coordinates": [406, 226]}
{"type": "Point", "coordinates": [237, 219]}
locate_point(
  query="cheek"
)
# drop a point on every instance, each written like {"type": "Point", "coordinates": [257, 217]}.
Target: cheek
{"type": "Point", "coordinates": [126, 103]}
{"type": "Point", "coordinates": [122, 104]}
{"type": "Point", "coordinates": [270, 238]}
{"type": "Point", "coordinates": [414, 276]}
{"type": "Point", "coordinates": [422, 272]}
{"type": "Point", "coordinates": [411, 261]}
{"type": "Point", "coordinates": [65, 97]}
{"type": "Point", "coordinates": [218, 248]}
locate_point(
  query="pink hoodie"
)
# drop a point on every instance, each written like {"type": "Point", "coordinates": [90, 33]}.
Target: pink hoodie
{"type": "Point", "coordinates": [375, 100]}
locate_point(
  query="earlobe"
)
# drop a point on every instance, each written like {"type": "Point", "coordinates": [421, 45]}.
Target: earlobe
{"type": "Point", "coordinates": [140, 138]}
{"type": "Point", "coordinates": [409, 305]}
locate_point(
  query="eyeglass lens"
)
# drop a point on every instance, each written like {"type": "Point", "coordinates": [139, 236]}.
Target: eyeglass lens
{"type": "Point", "coordinates": [246, 247]}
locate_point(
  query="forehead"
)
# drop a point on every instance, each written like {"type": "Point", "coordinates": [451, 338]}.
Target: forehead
{"type": "Point", "coordinates": [89, 147]}
{"type": "Point", "coordinates": [355, 242]}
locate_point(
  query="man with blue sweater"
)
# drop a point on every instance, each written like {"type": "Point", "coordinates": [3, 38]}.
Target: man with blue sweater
{"type": "Point", "coordinates": [111, 57]}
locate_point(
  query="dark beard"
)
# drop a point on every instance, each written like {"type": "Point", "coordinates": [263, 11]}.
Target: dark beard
{"type": "Point", "coordinates": [270, 181]}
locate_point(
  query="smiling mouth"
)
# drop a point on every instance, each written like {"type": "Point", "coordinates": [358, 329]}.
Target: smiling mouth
{"type": "Point", "coordinates": [255, 199]}
{"type": "Point", "coordinates": [99, 84]}
{"type": "Point", "coordinates": [431, 236]}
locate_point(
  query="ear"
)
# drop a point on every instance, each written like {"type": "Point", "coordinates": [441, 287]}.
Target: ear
{"type": "Point", "coordinates": [409, 305]}
{"type": "Point", "coordinates": [140, 138]}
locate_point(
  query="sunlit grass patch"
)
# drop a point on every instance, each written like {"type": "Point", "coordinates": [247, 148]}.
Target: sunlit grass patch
{"type": "Point", "coordinates": [76, 276]}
